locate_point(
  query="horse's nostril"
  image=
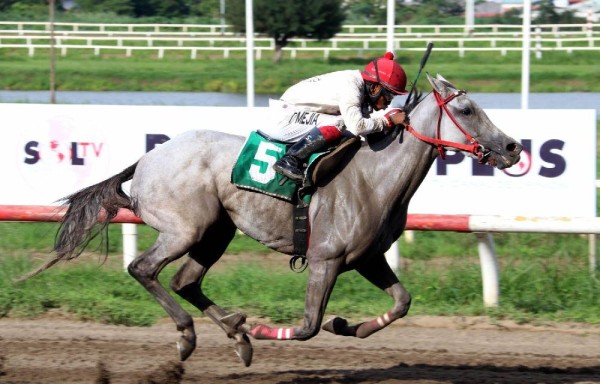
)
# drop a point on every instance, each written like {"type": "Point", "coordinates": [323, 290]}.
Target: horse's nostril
{"type": "Point", "coordinates": [514, 147]}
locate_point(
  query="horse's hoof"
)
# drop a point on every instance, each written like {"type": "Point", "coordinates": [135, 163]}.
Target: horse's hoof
{"type": "Point", "coordinates": [186, 347]}
{"type": "Point", "coordinates": [243, 348]}
{"type": "Point", "coordinates": [336, 325]}
{"type": "Point", "coordinates": [339, 326]}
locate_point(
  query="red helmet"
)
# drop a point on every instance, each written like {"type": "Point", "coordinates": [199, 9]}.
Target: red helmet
{"type": "Point", "coordinates": [387, 72]}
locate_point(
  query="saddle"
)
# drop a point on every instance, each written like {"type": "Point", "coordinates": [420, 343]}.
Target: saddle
{"type": "Point", "coordinates": [329, 164]}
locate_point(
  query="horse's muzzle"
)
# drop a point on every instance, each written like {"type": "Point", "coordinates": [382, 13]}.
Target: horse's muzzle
{"type": "Point", "coordinates": [506, 158]}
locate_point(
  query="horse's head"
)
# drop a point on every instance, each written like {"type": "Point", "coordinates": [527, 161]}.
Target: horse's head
{"type": "Point", "coordinates": [459, 124]}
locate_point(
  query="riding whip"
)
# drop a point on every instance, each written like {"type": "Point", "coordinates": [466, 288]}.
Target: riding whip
{"type": "Point", "coordinates": [423, 62]}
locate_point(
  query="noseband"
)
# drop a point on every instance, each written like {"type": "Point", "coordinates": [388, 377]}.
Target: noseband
{"type": "Point", "coordinates": [474, 146]}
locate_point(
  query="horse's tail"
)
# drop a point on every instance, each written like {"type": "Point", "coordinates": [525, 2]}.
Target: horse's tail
{"type": "Point", "coordinates": [81, 224]}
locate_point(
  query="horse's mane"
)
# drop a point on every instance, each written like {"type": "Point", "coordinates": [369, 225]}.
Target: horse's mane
{"type": "Point", "coordinates": [380, 140]}
{"type": "Point", "coordinates": [418, 97]}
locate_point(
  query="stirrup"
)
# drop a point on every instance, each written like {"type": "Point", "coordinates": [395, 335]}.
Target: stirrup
{"type": "Point", "coordinates": [288, 173]}
{"type": "Point", "coordinates": [292, 176]}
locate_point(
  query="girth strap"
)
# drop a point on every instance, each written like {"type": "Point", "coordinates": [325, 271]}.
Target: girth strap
{"type": "Point", "coordinates": [301, 235]}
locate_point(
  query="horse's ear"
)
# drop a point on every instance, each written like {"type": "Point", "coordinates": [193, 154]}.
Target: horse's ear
{"type": "Point", "coordinates": [440, 85]}
{"type": "Point", "coordinates": [429, 77]}
{"type": "Point", "coordinates": [448, 84]}
{"type": "Point", "coordinates": [442, 79]}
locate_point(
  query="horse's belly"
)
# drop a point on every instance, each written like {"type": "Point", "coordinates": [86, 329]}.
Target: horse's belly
{"type": "Point", "coordinates": [264, 218]}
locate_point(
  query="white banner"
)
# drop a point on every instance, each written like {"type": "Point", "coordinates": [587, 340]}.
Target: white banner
{"type": "Point", "coordinates": [556, 175]}
{"type": "Point", "coordinates": [50, 151]}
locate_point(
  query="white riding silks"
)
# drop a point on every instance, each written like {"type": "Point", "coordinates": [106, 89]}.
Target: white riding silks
{"type": "Point", "coordinates": [330, 99]}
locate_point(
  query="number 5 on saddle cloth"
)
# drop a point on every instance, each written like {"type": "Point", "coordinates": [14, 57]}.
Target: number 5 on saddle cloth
{"type": "Point", "coordinates": [253, 171]}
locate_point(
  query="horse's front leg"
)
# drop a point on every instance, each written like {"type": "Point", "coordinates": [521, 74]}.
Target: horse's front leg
{"type": "Point", "coordinates": [379, 273]}
{"type": "Point", "coordinates": [322, 276]}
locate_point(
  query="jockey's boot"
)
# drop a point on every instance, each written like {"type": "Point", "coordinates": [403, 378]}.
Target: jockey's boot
{"type": "Point", "coordinates": [292, 163]}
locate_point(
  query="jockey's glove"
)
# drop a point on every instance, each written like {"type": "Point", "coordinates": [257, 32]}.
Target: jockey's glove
{"type": "Point", "coordinates": [394, 117]}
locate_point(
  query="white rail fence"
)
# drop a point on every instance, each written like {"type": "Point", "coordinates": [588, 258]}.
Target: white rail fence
{"type": "Point", "coordinates": [373, 30]}
{"type": "Point", "coordinates": [160, 38]}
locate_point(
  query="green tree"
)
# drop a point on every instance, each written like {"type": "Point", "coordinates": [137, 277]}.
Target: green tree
{"type": "Point", "coordinates": [512, 16]}
{"type": "Point", "coordinates": [366, 11]}
{"type": "Point", "coordinates": [210, 9]}
{"type": "Point", "coordinates": [421, 12]}
{"type": "Point", "coordinates": [434, 11]}
{"type": "Point", "coordinates": [163, 8]}
{"type": "Point", "coordinates": [6, 5]}
{"type": "Point", "coordinates": [282, 20]}
{"type": "Point", "coordinates": [137, 8]}
{"type": "Point", "coordinates": [117, 7]}
{"type": "Point", "coordinates": [568, 17]}
{"type": "Point", "coordinates": [546, 13]}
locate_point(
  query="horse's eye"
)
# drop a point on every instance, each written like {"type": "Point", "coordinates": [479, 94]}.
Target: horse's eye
{"type": "Point", "coordinates": [467, 111]}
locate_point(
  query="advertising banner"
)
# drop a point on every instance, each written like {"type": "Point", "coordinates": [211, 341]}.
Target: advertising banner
{"type": "Point", "coordinates": [555, 177]}
{"type": "Point", "coordinates": [50, 151]}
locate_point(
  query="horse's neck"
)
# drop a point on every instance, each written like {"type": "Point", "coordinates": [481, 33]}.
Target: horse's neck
{"type": "Point", "coordinates": [400, 167]}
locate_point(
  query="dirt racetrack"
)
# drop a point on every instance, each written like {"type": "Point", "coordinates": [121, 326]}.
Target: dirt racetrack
{"type": "Point", "coordinates": [423, 350]}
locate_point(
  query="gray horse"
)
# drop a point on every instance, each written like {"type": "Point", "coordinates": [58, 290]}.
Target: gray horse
{"type": "Point", "coordinates": [183, 190]}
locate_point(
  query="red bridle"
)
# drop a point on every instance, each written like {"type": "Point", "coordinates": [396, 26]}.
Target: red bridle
{"type": "Point", "coordinates": [474, 146]}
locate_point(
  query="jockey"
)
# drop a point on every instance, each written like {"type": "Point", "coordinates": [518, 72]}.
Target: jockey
{"type": "Point", "coordinates": [316, 111]}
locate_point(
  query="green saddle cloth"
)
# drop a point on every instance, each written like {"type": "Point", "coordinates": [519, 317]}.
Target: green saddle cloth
{"type": "Point", "coordinates": [253, 169]}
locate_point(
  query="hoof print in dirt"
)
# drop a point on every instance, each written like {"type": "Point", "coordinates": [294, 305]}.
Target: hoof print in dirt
{"type": "Point", "coordinates": [103, 374]}
{"type": "Point", "coordinates": [168, 373]}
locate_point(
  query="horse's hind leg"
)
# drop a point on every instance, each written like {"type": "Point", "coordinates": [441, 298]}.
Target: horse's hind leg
{"type": "Point", "coordinates": [187, 283]}
{"type": "Point", "coordinates": [379, 273]}
{"type": "Point", "coordinates": [145, 269]}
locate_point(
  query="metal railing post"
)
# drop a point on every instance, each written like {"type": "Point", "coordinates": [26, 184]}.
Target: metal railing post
{"type": "Point", "coordinates": [489, 269]}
